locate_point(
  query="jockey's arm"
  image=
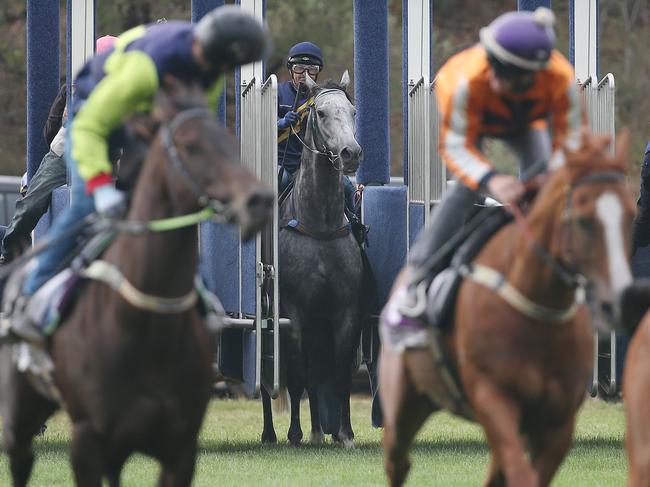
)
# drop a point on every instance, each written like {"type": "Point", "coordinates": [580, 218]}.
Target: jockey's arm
{"type": "Point", "coordinates": [459, 132]}
{"type": "Point", "coordinates": [129, 86]}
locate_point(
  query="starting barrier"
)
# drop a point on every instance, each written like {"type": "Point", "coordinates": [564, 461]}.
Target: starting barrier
{"type": "Point", "coordinates": [600, 102]}
{"type": "Point", "coordinates": [427, 176]}
{"type": "Point", "coordinates": [249, 348]}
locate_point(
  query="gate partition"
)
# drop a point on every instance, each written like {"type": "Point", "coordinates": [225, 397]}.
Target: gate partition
{"type": "Point", "coordinates": [427, 176]}
{"type": "Point", "coordinates": [249, 347]}
{"type": "Point", "coordinates": [600, 102]}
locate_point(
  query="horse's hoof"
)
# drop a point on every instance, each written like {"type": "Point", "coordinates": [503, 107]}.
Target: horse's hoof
{"type": "Point", "coordinates": [316, 438]}
{"type": "Point", "coordinates": [269, 438]}
{"type": "Point", "coordinates": [348, 443]}
{"type": "Point", "coordinates": [295, 440]}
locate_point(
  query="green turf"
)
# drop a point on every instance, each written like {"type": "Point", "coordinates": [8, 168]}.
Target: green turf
{"type": "Point", "coordinates": [447, 452]}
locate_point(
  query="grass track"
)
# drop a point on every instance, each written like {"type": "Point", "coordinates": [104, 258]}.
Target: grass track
{"type": "Point", "coordinates": [448, 452]}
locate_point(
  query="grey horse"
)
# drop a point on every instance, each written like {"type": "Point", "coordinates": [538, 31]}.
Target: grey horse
{"type": "Point", "coordinates": [321, 271]}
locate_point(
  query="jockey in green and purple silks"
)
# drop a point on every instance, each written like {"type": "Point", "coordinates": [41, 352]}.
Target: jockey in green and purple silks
{"type": "Point", "coordinates": [122, 81]}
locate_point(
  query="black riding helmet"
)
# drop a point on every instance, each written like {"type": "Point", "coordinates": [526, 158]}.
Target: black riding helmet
{"type": "Point", "coordinates": [230, 36]}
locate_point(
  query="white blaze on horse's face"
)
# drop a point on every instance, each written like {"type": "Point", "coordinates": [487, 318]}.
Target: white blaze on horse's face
{"type": "Point", "coordinates": [610, 212]}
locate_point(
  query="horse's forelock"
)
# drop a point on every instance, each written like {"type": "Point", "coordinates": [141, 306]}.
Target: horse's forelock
{"type": "Point", "coordinates": [594, 155]}
{"type": "Point", "coordinates": [329, 85]}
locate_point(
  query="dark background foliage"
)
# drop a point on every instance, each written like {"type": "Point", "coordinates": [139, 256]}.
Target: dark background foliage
{"type": "Point", "coordinates": [624, 51]}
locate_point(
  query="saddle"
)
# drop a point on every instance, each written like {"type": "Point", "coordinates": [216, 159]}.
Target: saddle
{"type": "Point", "coordinates": [444, 288]}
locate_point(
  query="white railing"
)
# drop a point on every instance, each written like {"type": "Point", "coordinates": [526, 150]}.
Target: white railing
{"type": "Point", "coordinates": [600, 101]}
{"type": "Point", "coordinates": [426, 174]}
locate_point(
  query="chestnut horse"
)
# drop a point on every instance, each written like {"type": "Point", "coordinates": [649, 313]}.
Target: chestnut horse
{"type": "Point", "coordinates": [636, 383]}
{"type": "Point", "coordinates": [521, 353]}
{"type": "Point", "coordinates": [134, 379]}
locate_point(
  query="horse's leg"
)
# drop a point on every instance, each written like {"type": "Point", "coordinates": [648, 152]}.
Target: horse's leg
{"type": "Point", "coordinates": [500, 417]}
{"type": "Point", "coordinates": [178, 470]}
{"type": "Point", "coordinates": [86, 456]}
{"type": "Point", "coordinates": [495, 477]}
{"type": "Point", "coordinates": [294, 435]}
{"type": "Point", "coordinates": [549, 447]}
{"type": "Point", "coordinates": [268, 433]}
{"type": "Point", "coordinates": [23, 413]}
{"type": "Point", "coordinates": [405, 411]}
{"type": "Point", "coordinates": [316, 437]}
{"type": "Point", "coordinates": [346, 339]}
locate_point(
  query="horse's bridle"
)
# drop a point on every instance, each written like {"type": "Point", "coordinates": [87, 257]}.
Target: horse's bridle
{"type": "Point", "coordinates": [167, 131]}
{"type": "Point", "coordinates": [318, 134]}
{"type": "Point", "coordinates": [567, 273]}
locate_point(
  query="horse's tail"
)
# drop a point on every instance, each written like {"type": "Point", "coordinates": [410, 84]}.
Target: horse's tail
{"type": "Point", "coordinates": [281, 403]}
{"type": "Point", "coordinates": [329, 407]}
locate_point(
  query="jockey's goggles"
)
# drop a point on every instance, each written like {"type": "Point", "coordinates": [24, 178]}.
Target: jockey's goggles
{"type": "Point", "coordinates": [312, 69]}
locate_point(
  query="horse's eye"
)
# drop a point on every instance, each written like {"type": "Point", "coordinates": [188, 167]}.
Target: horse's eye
{"type": "Point", "coordinates": [193, 148]}
{"type": "Point", "coordinates": [320, 113]}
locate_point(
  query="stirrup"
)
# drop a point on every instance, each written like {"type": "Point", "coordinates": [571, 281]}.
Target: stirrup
{"type": "Point", "coordinates": [419, 306]}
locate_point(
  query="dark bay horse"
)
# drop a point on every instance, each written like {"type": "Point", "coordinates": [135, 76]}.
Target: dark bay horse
{"type": "Point", "coordinates": [321, 269]}
{"type": "Point", "coordinates": [135, 379]}
{"type": "Point", "coordinates": [521, 343]}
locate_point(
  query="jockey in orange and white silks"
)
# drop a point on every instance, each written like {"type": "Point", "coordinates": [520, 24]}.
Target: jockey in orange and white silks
{"type": "Point", "coordinates": [513, 86]}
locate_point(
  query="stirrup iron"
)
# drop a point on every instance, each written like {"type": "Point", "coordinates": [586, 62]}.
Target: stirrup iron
{"type": "Point", "coordinates": [417, 310]}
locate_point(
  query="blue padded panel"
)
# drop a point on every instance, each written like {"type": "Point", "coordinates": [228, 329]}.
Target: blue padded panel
{"type": "Point", "coordinates": [219, 265]}
{"type": "Point", "coordinates": [60, 201]}
{"type": "Point", "coordinates": [384, 209]}
{"type": "Point", "coordinates": [416, 221]}
{"type": "Point", "coordinates": [532, 4]}
{"type": "Point", "coordinates": [42, 74]}
{"type": "Point", "coordinates": [248, 361]}
{"type": "Point", "coordinates": [248, 277]}
{"type": "Point", "coordinates": [371, 88]}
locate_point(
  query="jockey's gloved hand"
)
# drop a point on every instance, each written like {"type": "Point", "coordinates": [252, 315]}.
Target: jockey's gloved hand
{"type": "Point", "coordinates": [109, 202]}
{"type": "Point", "coordinates": [505, 188]}
{"type": "Point", "coordinates": [289, 119]}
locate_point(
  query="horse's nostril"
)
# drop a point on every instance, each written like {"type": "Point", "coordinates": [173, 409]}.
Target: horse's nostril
{"type": "Point", "coordinates": [346, 155]}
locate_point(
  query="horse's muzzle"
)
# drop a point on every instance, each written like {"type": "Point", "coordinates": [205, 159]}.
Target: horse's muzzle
{"type": "Point", "coordinates": [257, 211]}
{"type": "Point", "coordinates": [351, 158]}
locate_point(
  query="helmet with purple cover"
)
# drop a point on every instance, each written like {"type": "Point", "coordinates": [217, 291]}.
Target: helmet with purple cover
{"type": "Point", "coordinates": [522, 40]}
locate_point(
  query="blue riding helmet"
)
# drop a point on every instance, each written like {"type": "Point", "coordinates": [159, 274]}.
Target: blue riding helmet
{"type": "Point", "coordinates": [522, 40]}
{"type": "Point", "coordinates": [305, 53]}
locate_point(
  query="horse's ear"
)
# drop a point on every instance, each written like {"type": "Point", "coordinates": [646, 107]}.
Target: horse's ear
{"type": "Point", "coordinates": [622, 149]}
{"type": "Point", "coordinates": [345, 80]}
{"type": "Point", "coordinates": [310, 83]}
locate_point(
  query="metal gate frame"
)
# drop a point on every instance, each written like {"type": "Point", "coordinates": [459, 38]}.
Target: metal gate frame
{"type": "Point", "coordinates": [600, 102]}
{"type": "Point", "coordinates": [258, 147]}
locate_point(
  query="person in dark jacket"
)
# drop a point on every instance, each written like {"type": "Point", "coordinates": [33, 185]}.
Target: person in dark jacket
{"type": "Point", "coordinates": [55, 117]}
{"type": "Point", "coordinates": [642, 222]}
{"type": "Point", "coordinates": [305, 59]}
{"type": "Point", "coordinates": [51, 174]}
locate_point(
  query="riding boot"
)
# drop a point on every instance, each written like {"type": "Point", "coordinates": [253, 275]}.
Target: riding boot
{"type": "Point", "coordinates": [429, 256]}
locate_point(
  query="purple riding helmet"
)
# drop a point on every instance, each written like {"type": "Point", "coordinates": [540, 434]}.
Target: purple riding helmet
{"type": "Point", "coordinates": [521, 40]}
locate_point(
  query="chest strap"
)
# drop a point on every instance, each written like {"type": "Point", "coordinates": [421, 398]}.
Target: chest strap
{"type": "Point", "coordinates": [105, 272]}
{"type": "Point", "coordinates": [495, 281]}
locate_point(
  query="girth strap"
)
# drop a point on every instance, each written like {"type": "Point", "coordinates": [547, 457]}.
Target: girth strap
{"type": "Point", "coordinates": [495, 281]}
{"type": "Point", "coordinates": [107, 273]}
{"type": "Point", "coordinates": [294, 224]}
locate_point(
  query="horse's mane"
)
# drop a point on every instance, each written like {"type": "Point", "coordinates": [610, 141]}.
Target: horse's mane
{"type": "Point", "coordinates": [593, 155]}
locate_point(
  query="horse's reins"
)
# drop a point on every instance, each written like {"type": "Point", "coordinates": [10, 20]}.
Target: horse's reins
{"type": "Point", "coordinates": [495, 281]}
{"type": "Point", "coordinates": [317, 133]}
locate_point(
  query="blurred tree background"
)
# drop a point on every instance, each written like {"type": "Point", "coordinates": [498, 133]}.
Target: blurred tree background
{"type": "Point", "coordinates": [624, 51]}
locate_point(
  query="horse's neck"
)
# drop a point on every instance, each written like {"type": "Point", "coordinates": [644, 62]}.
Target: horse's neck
{"type": "Point", "coordinates": [318, 193]}
{"type": "Point", "coordinates": [530, 273]}
{"type": "Point", "coordinates": [158, 263]}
